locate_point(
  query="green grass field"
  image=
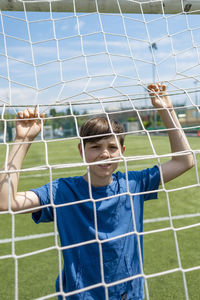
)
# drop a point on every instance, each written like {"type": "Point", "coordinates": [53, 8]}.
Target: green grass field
{"type": "Point", "coordinates": [37, 272]}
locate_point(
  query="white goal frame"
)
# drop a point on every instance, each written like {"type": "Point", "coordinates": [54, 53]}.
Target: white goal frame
{"type": "Point", "coordinates": [104, 6]}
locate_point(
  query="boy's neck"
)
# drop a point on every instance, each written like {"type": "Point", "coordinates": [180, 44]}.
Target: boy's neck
{"type": "Point", "coordinates": [98, 182]}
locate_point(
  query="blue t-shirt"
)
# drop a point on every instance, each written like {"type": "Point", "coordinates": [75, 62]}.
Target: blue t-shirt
{"type": "Point", "coordinates": [101, 220]}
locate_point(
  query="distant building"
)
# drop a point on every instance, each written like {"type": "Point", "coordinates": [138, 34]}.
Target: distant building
{"type": "Point", "coordinates": [190, 117]}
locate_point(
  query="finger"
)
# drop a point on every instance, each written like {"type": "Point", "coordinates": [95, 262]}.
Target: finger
{"type": "Point", "coordinates": [157, 87]}
{"type": "Point", "coordinates": [154, 87]}
{"type": "Point", "coordinates": [151, 89]}
{"type": "Point", "coordinates": [42, 115]}
{"type": "Point", "coordinates": [151, 86]}
{"type": "Point", "coordinates": [160, 85]}
{"type": "Point", "coordinates": [26, 113]}
{"type": "Point", "coordinates": [153, 93]}
{"type": "Point", "coordinates": [20, 115]}
{"type": "Point", "coordinates": [36, 112]}
{"type": "Point", "coordinates": [31, 113]}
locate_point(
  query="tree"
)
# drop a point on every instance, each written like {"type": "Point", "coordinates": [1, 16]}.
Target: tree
{"type": "Point", "coordinates": [53, 112]}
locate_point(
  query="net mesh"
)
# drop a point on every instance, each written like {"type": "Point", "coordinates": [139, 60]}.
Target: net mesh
{"type": "Point", "coordinates": [76, 65]}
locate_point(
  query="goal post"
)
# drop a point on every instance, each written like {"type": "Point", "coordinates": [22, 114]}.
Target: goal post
{"type": "Point", "coordinates": [111, 6]}
{"type": "Point", "coordinates": [75, 59]}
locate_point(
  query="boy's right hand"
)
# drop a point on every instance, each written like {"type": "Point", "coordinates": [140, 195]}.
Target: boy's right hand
{"type": "Point", "coordinates": [28, 125]}
{"type": "Point", "coordinates": [159, 96]}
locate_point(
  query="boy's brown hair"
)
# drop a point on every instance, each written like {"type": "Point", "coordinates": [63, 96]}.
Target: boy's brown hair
{"type": "Point", "coordinates": [100, 126]}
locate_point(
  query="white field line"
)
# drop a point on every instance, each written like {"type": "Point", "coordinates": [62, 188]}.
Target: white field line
{"type": "Point", "coordinates": [45, 235]}
{"type": "Point", "coordinates": [173, 218]}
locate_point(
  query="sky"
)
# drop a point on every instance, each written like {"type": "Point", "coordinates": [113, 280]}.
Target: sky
{"type": "Point", "coordinates": [66, 57]}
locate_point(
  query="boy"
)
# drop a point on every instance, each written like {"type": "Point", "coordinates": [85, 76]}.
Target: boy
{"type": "Point", "coordinates": [100, 213]}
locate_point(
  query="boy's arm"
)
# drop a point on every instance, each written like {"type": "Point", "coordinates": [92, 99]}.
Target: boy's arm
{"type": "Point", "coordinates": [26, 131]}
{"type": "Point", "coordinates": [178, 141]}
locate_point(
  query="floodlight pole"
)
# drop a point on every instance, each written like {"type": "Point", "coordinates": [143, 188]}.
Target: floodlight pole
{"type": "Point", "coordinates": [196, 98]}
{"type": "Point", "coordinates": [152, 48]}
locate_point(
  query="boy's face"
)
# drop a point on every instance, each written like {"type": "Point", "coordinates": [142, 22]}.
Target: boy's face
{"type": "Point", "coordinates": [105, 148]}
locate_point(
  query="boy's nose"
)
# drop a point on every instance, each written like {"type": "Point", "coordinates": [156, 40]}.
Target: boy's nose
{"type": "Point", "coordinates": [105, 153]}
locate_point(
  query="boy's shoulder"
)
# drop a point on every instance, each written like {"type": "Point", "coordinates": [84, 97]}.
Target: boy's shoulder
{"type": "Point", "coordinates": [136, 174]}
{"type": "Point", "coordinates": [143, 177]}
{"type": "Point", "coordinates": [62, 184]}
{"type": "Point", "coordinates": [70, 182]}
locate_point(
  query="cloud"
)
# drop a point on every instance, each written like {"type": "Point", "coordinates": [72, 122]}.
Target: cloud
{"type": "Point", "coordinates": [26, 96]}
{"type": "Point", "coordinates": [64, 27]}
{"type": "Point", "coordinates": [79, 25]}
{"type": "Point", "coordinates": [98, 65]}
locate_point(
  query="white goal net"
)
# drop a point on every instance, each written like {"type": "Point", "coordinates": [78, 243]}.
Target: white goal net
{"type": "Point", "coordinates": [77, 59]}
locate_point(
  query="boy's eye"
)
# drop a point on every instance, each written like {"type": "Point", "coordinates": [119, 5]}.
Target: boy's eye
{"type": "Point", "coordinates": [95, 146]}
{"type": "Point", "coordinates": [114, 147]}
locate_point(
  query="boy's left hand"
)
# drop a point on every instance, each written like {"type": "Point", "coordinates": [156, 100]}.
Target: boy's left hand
{"type": "Point", "coordinates": [159, 96]}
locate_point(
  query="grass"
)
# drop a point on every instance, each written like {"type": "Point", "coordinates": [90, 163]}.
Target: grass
{"type": "Point", "coordinates": [37, 272]}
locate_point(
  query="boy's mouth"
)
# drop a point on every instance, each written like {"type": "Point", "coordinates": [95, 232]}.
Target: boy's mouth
{"type": "Point", "coordinates": [104, 166]}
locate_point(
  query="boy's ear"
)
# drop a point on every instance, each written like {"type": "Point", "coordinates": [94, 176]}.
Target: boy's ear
{"type": "Point", "coordinates": [80, 149]}
{"type": "Point", "coordinates": [123, 149]}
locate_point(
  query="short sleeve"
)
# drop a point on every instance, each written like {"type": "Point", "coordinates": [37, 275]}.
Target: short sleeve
{"type": "Point", "coordinates": [151, 181]}
{"type": "Point", "coordinates": [46, 212]}
{"type": "Point", "coordinates": [145, 183]}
